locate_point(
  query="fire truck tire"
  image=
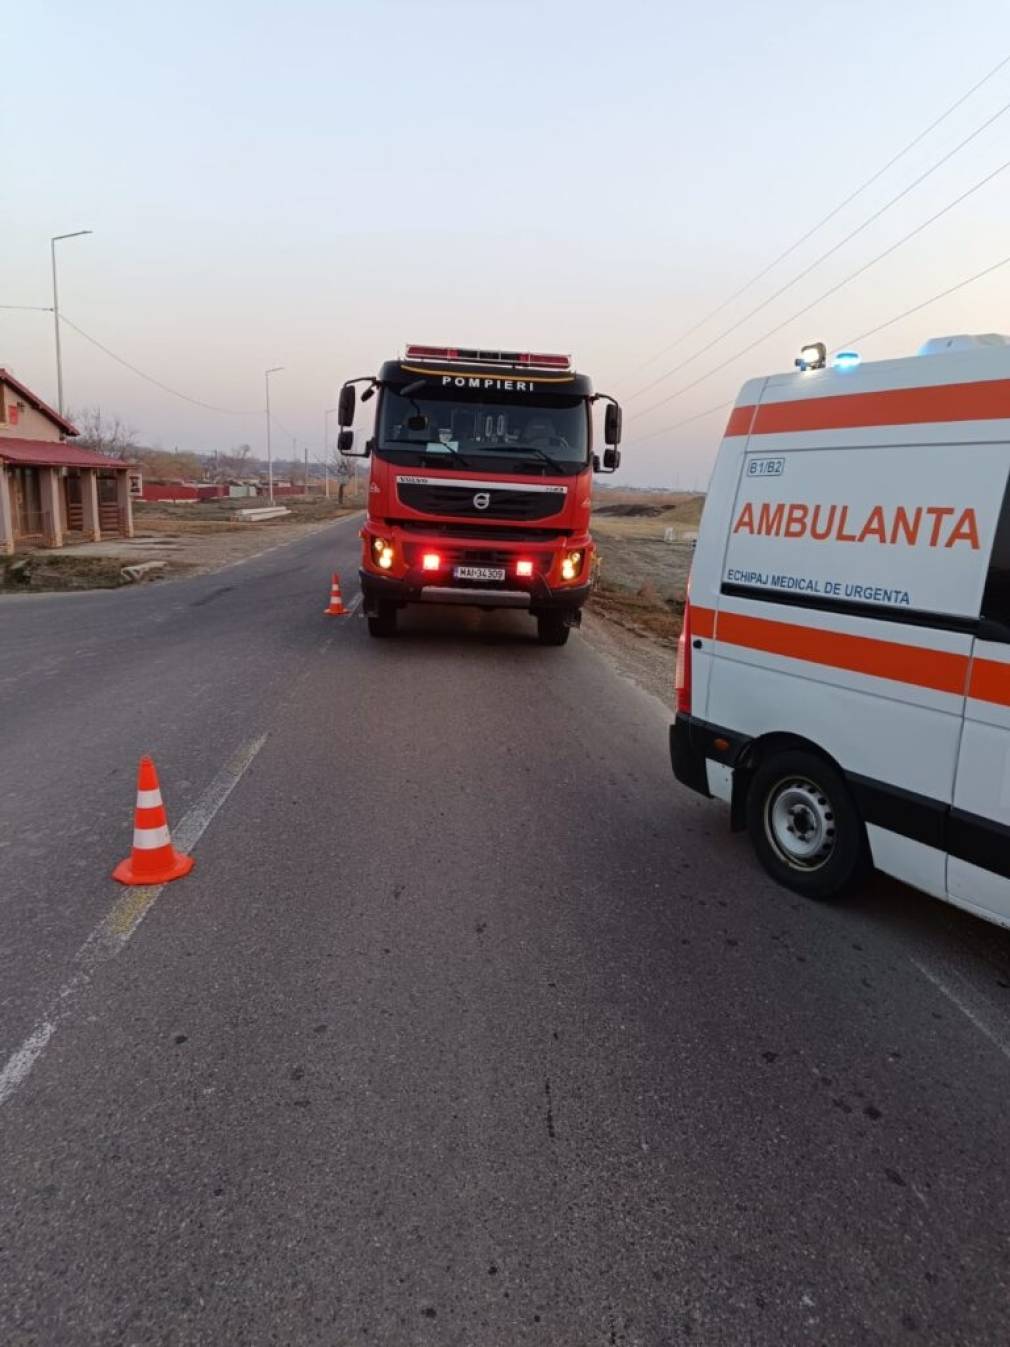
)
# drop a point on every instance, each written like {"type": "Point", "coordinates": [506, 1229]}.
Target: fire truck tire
{"type": "Point", "coordinates": [552, 628]}
{"type": "Point", "coordinates": [383, 621]}
{"type": "Point", "coordinates": [805, 826]}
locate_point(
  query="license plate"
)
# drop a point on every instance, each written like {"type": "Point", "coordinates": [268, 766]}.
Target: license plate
{"type": "Point", "coordinates": [479, 572]}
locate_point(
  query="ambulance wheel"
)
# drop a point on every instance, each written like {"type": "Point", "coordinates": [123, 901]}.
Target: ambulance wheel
{"type": "Point", "coordinates": [552, 629]}
{"type": "Point", "coordinates": [383, 621]}
{"type": "Point", "coordinates": [804, 825]}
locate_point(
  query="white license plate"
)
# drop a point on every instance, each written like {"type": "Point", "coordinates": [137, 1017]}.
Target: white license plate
{"type": "Point", "coordinates": [479, 572]}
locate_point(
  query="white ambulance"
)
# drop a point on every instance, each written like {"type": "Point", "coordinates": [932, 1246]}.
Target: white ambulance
{"type": "Point", "coordinates": [843, 678]}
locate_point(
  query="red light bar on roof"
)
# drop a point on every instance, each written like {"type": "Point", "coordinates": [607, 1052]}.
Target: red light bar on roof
{"type": "Point", "coordinates": [477, 356]}
{"type": "Point", "coordinates": [547, 361]}
{"type": "Point", "coordinates": [432, 352]}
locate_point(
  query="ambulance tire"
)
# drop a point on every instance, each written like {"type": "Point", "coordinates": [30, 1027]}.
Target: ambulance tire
{"type": "Point", "coordinates": [805, 827]}
{"type": "Point", "coordinates": [383, 621]}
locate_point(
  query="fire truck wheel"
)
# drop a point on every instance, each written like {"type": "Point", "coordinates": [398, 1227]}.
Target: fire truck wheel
{"type": "Point", "coordinates": [383, 621]}
{"type": "Point", "coordinates": [552, 629]}
{"type": "Point", "coordinates": [804, 825]}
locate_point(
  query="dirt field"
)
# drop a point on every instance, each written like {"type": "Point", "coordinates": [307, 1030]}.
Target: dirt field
{"type": "Point", "coordinates": [190, 539]}
{"type": "Point", "coordinates": [650, 513]}
{"type": "Point", "coordinates": [643, 578]}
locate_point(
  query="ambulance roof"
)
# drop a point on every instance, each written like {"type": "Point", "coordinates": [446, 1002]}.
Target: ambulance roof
{"type": "Point", "coordinates": [960, 359]}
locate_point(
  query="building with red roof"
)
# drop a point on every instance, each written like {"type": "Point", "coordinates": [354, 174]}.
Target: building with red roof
{"type": "Point", "coordinates": [53, 492]}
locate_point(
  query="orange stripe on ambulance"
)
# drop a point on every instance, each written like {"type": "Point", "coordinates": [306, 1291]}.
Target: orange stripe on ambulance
{"type": "Point", "coordinates": [932, 525]}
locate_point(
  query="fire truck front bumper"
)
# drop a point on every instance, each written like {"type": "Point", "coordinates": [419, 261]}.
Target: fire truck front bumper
{"type": "Point", "coordinates": [534, 596]}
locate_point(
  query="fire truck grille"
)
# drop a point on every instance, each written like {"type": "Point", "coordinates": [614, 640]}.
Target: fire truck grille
{"type": "Point", "coordinates": [429, 498]}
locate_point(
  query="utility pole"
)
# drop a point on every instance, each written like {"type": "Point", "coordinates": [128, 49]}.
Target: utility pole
{"type": "Point", "coordinates": [330, 411]}
{"type": "Point", "coordinates": [78, 233]}
{"type": "Point", "coordinates": [270, 462]}
{"type": "Point", "coordinates": [306, 470]}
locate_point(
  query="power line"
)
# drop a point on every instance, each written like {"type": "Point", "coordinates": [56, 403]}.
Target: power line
{"type": "Point", "coordinates": [824, 256]}
{"type": "Point", "coordinates": [832, 290]}
{"type": "Point", "coordinates": [686, 421]}
{"type": "Point", "coordinates": [208, 406]}
{"type": "Point", "coordinates": [29, 308]}
{"type": "Point", "coordinates": [826, 219]}
{"type": "Point", "coordinates": [916, 308]}
{"type": "Point", "coordinates": [969, 280]}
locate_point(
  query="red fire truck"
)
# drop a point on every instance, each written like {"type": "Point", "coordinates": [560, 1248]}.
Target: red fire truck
{"type": "Point", "coordinates": [481, 483]}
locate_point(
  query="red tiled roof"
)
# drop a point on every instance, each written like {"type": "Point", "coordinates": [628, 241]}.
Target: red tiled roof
{"type": "Point", "coordinates": [40, 406]}
{"type": "Point", "coordinates": [54, 454]}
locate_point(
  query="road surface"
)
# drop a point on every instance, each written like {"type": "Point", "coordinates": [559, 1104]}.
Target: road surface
{"type": "Point", "coordinates": [470, 1026]}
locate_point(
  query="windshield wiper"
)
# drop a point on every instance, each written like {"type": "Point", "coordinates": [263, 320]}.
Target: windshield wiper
{"type": "Point", "coordinates": [428, 453]}
{"type": "Point", "coordinates": [532, 449]}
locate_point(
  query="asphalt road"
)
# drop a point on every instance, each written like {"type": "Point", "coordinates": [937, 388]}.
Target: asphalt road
{"type": "Point", "coordinates": [470, 1026]}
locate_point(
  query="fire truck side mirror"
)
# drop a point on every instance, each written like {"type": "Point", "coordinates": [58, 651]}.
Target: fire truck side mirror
{"type": "Point", "coordinates": [345, 406]}
{"type": "Point", "coordinates": [612, 424]}
{"type": "Point", "coordinates": [611, 459]}
{"type": "Point", "coordinates": [345, 442]}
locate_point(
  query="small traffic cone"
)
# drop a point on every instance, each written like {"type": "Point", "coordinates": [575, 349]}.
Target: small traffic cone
{"type": "Point", "coordinates": [336, 608]}
{"type": "Point", "coordinates": [153, 859]}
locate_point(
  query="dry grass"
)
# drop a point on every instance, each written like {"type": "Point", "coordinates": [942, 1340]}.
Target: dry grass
{"type": "Point", "coordinates": [219, 516]}
{"type": "Point", "coordinates": [645, 613]}
{"type": "Point", "coordinates": [643, 578]}
{"type": "Point", "coordinates": [42, 571]}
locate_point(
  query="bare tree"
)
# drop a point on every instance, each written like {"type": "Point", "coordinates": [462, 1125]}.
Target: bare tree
{"type": "Point", "coordinates": [343, 470]}
{"type": "Point", "coordinates": [235, 462]}
{"type": "Point", "coordinates": [104, 434]}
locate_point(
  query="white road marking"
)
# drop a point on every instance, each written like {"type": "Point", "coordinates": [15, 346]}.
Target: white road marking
{"type": "Point", "coordinates": [354, 605]}
{"type": "Point", "coordinates": [114, 931]}
{"type": "Point", "coordinates": [974, 1007]}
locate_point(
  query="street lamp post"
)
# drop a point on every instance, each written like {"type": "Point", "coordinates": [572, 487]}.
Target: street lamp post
{"type": "Point", "coordinates": [78, 233]}
{"type": "Point", "coordinates": [270, 461]}
{"type": "Point", "coordinates": [330, 411]}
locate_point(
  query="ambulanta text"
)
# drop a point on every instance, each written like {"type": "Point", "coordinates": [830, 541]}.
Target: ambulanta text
{"type": "Point", "coordinates": [926, 525]}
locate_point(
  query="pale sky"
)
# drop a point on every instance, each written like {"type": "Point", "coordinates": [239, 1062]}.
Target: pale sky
{"type": "Point", "coordinates": [317, 184]}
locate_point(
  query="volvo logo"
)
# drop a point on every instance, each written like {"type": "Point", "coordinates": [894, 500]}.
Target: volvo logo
{"type": "Point", "coordinates": [482, 500]}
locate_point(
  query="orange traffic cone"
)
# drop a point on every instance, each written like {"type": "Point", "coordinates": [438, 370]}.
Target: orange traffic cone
{"type": "Point", "coordinates": [336, 608]}
{"type": "Point", "coordinates": [153, 859]}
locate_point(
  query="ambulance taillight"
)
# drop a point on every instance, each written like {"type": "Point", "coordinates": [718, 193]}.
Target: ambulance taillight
{"type": "Point", "coordinates": [682, 675]}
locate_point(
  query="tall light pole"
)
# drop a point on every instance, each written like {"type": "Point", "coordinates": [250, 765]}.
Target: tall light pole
{"type": "Point", "coordinates": [78, 233]}
{"type": "Point", "coordinates": [270, 461]}
{"type": "Point", "coordinates": [330, 411]}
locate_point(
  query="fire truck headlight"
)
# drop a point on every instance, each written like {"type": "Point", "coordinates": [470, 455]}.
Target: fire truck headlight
{"type": "Point", "coordinates": [386, 558]}
{"type": "Point", "coordinates": [571, 564]}
{"type": "Point", "coordinates": [379, 545]}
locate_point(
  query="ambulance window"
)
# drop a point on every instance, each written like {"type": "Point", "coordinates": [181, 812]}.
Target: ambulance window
{"type": "Point", "coordinates": [996, 600]}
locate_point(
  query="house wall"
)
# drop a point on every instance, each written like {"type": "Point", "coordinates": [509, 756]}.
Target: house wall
{"type": "Point", "coordinates": [31, 425]}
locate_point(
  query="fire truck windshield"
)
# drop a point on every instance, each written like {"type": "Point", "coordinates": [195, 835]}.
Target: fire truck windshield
{"type": "Point", "coordinates": [542, 433]}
